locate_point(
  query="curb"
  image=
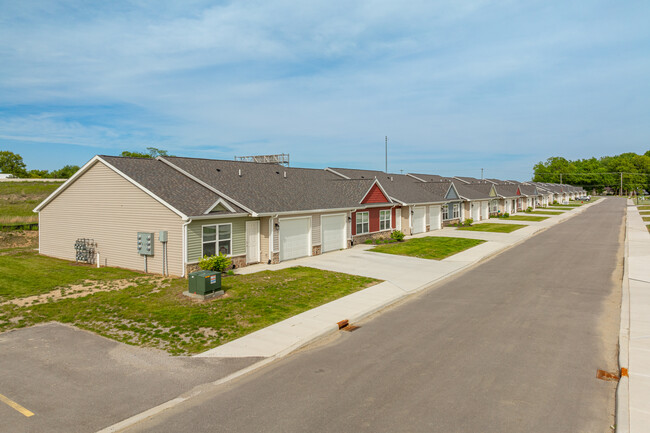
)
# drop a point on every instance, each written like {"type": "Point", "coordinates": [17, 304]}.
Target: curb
{"type": "Point", "coordinates": [129, 422]}
{"type": "Point", "coordinates": [623, 388]}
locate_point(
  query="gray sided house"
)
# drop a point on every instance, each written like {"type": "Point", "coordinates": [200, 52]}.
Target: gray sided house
{"type": "Point", "coordinates": [251, 212]}
{"type": "Point", "coordinates": [477, 198]}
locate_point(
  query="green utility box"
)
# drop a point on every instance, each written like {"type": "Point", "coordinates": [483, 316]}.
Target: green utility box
{"type": "Point", "coordinates": [204, 282]}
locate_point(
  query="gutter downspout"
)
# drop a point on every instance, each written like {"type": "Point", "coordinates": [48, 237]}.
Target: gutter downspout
{"type": "Point", "coordinates": [185, 224]}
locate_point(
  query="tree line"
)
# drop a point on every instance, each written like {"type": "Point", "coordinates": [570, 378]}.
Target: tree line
{"type": "Point", "coordinates": [13, 164]}
{"type": "Point", "coordinates": [599, 174]}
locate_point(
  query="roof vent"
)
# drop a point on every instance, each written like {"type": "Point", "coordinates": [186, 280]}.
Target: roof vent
{"type": "Point", "coordinates": [285, 174]}
{"type": "Point", "coordinates": [391, 178]}
{"type": "Point", "coordinates": [240, 172]}
{"type": "Point", "coordinates": [277, 172]}
{"type": "Point", "coordinates": [218, 169]}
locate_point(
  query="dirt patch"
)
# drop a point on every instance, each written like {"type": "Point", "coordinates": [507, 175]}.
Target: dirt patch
{"type": "Point", "coordinates": [88, 287]}
{"type": "Point", "coordinates": [19, 239]}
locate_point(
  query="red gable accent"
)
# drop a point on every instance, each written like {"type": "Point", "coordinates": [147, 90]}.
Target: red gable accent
{"type": "Point", "coordinates": [375, 196]}
{"type": "Point", "coordinates": [518, 192]}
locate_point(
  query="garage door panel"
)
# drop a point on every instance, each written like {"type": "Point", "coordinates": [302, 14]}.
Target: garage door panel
{"type": "Point", "coordinates": [435, 217]}
{"type": "Point", "coordinates": [294, 238]}
{"type": "Point", "coordinates": [419, 219]}
{"type": "Point", "coordinates": [334, 232]}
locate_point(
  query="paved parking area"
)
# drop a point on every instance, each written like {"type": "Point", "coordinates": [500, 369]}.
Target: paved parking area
{"type": "Point", "coordinates": [76, 381]}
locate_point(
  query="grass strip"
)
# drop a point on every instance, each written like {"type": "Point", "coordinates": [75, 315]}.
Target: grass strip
{"type": "Point", "coordinates": [535, 212]}
{"type": "Point", "coordinates": [493, 227]}
{"type": "Point", "coordinates": [23, 273]}
{"type": "Point", "coordinates": [526, 218]}
{"type": "Point", "coordinates": [159, 316]}
{"type": "Point", "coordinates": [434, 247]}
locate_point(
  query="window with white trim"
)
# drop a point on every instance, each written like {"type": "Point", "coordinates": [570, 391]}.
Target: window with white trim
{"type": "Point", "coordinates": [362, 223]}
{"type": "Point", "coordinates": [445, 211]}
{"type": "Point", "coordinates": [217, 239]}
{"type": "Point", "coordinates": [384, 220]}
{"type": "Point", "coordinates": [456, 211]}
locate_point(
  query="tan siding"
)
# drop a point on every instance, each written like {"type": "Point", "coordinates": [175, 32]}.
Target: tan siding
{"type": "Point", "coordinates": [103, 206]}
{"type": "Point", "coordinates": [315, 229]}
{"type": "Point", "coordinates": [406, 211]}
{"type": "Point", "coordinates": [276, 236]}
{"type": "Point", "coordinates": [264, 239]}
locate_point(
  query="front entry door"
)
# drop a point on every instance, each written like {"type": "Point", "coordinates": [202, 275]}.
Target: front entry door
{"type": "Point", "coordinates": [252, 241]}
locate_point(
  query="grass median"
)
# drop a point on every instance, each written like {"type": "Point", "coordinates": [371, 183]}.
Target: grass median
{"type": "Point", "coordinates": [526, 218]}
{"type": "Point", "coordinates": [540, 212]}
{"type": "Point", "coordinates": [151, 310]}
{"type": "Point", "coordinates": [434, 247]}
{"type": "Point", "coordinates": [493, 227]}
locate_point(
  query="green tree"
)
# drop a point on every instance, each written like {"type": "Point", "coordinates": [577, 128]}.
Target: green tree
{"type": "Point", "coordinates": [12, 163]}
{"type": "Point", "coordinates": [65, 173]}
{"type": "Point", "coordinates": [153, 153]}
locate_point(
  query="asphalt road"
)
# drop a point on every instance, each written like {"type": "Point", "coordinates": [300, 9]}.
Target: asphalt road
{"type": "Point", "coordinates": [512, 345]}
{"type": "Point", "coordinates": [77, 381]}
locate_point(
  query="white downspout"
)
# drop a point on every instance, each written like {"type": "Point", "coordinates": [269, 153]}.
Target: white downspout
{"type": "Point", "coordinates": [185, 224]}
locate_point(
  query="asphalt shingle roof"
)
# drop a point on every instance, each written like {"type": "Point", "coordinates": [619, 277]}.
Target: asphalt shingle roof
{"type": "Point", "coordinates": [400, 187]}
{"type": "Point", "coordinates": [181, 192]}
{"type": "Point", "coordinates": [269, 188]}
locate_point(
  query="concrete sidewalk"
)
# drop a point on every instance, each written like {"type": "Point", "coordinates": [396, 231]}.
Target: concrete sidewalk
{"type": "Point", "coordinates": [402, 276]}
{"type": "Point", "coordinates": [633, 395]}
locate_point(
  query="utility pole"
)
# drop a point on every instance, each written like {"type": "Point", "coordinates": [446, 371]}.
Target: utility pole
{"type": "Point", "coordinates": [560, 178]}
{"type": "Point", "coordinates": [387, 154]}
{"type": "Point", "coordinates": [481, 174]}
{"type": "Point", "coordinates": [621, 190]}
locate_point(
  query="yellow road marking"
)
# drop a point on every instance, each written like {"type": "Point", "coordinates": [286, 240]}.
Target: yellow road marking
{"type": "Point", "coordinates": [16, 406]}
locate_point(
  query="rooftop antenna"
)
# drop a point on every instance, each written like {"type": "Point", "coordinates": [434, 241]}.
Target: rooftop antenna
{"type": "Point", "coordinates": [386, 154]}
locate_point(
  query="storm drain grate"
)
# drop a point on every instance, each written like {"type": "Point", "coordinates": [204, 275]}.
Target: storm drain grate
{"type": "Point", "coordinates": [344, 325]}
{"type": "Point", "coordinates": [605, 375]}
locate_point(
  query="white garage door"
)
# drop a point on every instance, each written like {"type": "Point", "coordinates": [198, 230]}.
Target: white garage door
{"type": "Point", "coordinates": [419, 219]}
{"type": "Point", "coordinates": [485, 210]}
{"type": "Point", "coordinates": [334, 231]}
{"type": "Point", "coordinates": [435, 217]}
{"type": "Point", "coordinates": [294, 238]}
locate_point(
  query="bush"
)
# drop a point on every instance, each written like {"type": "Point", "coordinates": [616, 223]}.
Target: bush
{"type": "Point", "coordinates": [530, 209]}
{"type": "Point", "coordinates": [555, 202]}
{"type": "Point", "coordinates": [215, 263]}
{"type": "Point", "coordinates": [397, 235]}
{"type": "Point", "coordinates": [506, 215]}
{"type": "Point", "coordinates": [468, 222]}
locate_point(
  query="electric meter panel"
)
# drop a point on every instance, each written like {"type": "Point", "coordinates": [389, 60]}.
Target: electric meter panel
{"type": "Point", "coordinates": [145, 244]}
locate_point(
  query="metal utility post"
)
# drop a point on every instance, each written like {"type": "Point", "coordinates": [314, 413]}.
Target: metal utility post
{"type": "Point", "coordinates": [387, 154]}
{"type": "Point", "coordinates": [560, 178]}
{"type": "Point", "coordinates": [481, 174]}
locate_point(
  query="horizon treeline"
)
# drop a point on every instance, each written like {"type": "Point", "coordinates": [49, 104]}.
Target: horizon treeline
{"type": "Point", "coordinates": [598, 173]}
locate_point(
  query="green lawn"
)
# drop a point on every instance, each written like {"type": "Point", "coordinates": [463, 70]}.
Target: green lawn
{"type": "Point", "coordinates": [526, 217]}
{"type": "Point", "coordinates": [493, 227]}
{"type": "Point", "coordinates": [25, 273]}
{"type": "Point", "coordinates": [154, 312]}
{"type": "Point", "coordinates": [436, 248]}
{"type": "Point", "coordinates": [561, 207]}
{"type": "Point", "coordinates": [646, 218]}
{"type": "Point", "coordinates": [18, 199]}
{"type": "Point", "coordinates": [535, 212]}
{"type": "Point", "coordinates": [648, 227]}
{"type": "Point", "coordinates": [643, 207]}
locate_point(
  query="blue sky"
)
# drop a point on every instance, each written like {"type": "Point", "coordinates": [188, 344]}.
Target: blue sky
{"type": "Point", "coordinates": [456, 85]}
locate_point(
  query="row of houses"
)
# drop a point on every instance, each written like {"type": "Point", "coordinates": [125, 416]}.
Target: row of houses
{"type": "Point", "coordinates": [257, 213]}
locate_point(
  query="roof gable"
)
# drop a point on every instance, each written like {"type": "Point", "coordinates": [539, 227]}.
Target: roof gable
{"type": "Point", "coordinates": [375, 195]}
{"type": "Point", "coordinates": [493, 191]}
{"type": "Point", "coordinates": [452, 194]}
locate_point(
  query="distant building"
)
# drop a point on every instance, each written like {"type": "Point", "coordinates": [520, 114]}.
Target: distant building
{"type": "Point", "coordinates": [5, 175]}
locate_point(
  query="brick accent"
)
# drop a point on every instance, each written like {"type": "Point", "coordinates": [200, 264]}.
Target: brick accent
{"type": "Point", "coordinates": [316, 250]}
{"type": "Point", "coordinates": [450, 222]}
{"type": "Point", "coordinates": [275, 258]}
{"type": "Point", "coordinates": [359, 239]}
{"type": "Point", "coordinates": [238, 261]}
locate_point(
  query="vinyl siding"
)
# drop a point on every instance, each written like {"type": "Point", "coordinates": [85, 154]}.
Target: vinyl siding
{"type": "Point", "coordinates": [103, 206]}
{"type": "Point", "coordinates": [374, 196]}
{"type": "Point", "coordinates": [195, 236]}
